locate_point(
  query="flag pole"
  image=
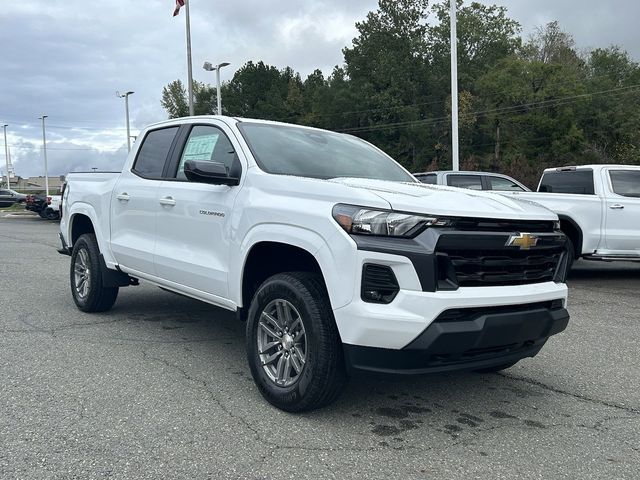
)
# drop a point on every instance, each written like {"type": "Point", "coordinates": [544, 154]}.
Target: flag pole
{"type": "Point", "coordinates": [454, 89]}
{"type": "Point", "coordinates": [189, 63]}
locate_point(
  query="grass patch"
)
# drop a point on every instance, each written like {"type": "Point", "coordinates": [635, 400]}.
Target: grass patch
{"type": "Point", "coordinates": [16, 207]}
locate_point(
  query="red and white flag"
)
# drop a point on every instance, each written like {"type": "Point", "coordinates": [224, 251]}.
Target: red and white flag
{"type": "Point", "coordinates": [179, 5]}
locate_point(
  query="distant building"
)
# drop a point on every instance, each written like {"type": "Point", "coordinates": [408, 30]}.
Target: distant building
{"type": "Point", "coordinates": [36, 184]}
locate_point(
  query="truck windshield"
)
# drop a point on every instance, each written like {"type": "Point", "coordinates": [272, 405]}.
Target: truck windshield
{"type": "Point", "coordinates": [290, 150]}
{"type": "Point", "coordinates": [567, 181]}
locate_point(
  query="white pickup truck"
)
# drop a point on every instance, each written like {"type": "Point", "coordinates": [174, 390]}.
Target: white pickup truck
{"type": "Point", "coordinates": [338, 259]}
{"type": "Point", "coordinates": [598, 207]}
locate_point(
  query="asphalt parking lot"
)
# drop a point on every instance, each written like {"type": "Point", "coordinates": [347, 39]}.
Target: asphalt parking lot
{"type": "Point", "coordinates": [159, 388]}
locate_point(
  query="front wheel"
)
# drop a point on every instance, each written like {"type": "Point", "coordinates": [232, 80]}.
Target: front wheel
{"type": "Point", "coordinates": [293, 346]}
{"type": "Point", "coordinates": [87, 289]}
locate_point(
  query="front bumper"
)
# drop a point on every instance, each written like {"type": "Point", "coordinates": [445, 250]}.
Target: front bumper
{"type": "Point", "coordinates": [467, 339]}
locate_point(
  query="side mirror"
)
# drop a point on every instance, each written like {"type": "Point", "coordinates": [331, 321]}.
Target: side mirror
{"type": "Point", "coordinates": [208, 172]}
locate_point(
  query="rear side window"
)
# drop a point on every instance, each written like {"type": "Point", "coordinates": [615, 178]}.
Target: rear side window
{"type": "Point", "coordinates": [153, 152]}
{"type": "Point", "coordinates": [626, 182]}
{"type": "Point", "coordinates": [473, 182]}
{"type": "Point", "coordinates": [504, 185]}
{"type": "Point", "coordinates": [568, 181]}
{"type": "Point", "coordinates": [430, 179]}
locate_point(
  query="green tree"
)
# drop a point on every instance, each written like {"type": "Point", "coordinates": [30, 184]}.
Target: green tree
{"type": "Point", "coordinates": [175, 99]}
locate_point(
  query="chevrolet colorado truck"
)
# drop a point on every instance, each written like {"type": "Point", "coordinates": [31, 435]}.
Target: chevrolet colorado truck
{"type": "Point", "coordinates": [598, 207]}
{"type": "Point", "coordinates": [337, 258]}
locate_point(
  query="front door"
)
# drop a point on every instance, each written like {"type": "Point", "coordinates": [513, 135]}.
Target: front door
{"type": "Point", "coordinates": [622, 211]}
{"type": "Point", "coordinates": [194, 219]}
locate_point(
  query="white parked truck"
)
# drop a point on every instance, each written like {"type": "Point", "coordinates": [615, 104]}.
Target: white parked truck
{"type": "Point", "coordinates": [598, 207]}
{"type": "Point", "coordinates": [337, 258]}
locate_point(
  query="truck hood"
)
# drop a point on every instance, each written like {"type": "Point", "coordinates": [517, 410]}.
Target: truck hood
{"type": "Point", "coordinates": [449, 201]}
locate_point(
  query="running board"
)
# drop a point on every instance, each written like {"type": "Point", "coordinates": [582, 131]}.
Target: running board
{"type": "Point", "coordinates": [612, 258]}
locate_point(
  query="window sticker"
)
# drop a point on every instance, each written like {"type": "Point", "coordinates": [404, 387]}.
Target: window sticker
{"type": "Point", "coordinates": [200, 147]}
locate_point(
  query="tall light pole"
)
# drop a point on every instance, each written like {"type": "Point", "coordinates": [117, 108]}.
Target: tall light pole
{"type": "Point", "coordinates": [126, 107]}
{"type": "Point", "coordinates": [454, 88]}
{"type": "Point", "coordinates": [44, 150]}
{"type": "Point", "coordinates": [210, 68]}
{"type": "Point", "coordinates": [6, 154]}
{"type": "Point", "coordinates": [189, 62]}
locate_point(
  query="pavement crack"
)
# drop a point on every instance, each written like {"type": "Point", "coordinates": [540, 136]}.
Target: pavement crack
{"type": "Point", "coordinates": [207, 390]}
{"type": "Point", "coordinates": [571, 394]}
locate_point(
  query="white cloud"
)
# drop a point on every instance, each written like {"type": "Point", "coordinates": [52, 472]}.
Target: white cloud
{"type": "Point", "coordinates": [67, 59]}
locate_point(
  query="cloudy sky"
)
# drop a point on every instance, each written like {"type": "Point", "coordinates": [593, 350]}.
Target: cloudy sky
{"type": "Point", "coordinates": [67, 58]}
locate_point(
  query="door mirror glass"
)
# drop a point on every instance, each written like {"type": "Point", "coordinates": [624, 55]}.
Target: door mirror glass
{"type": "Point", "coordinates": [208, 172]}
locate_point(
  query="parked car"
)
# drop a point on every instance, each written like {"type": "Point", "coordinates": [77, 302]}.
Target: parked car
{"type": "Point", "coordinates": [46, 206]}
{"type": "Point", "coordinates": [598, 207]}
{"type": "Point", "coordinates": [336, 257]}
{"type": "Point", "coordinates": [9, 197]}
{"type": "Point", "coordinates": [472, 180]}
{"type": "Point", "coordinates": [52, 208]}
{"type": "Point", "coordinates": [37, 204]}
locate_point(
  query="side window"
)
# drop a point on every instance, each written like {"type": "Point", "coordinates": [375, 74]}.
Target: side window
{"type": "Point", "coordinates": [567, 181]}
{"type": "Point", "coordinates": [626, 182]}
{"type": "Point", "coordinates": [153, 152]}
{"type": "Point", "coordinates": [474, 182]}
{"type": "Point", "coordinates": [430, 179]}
{"type": "Point", "coordinates": [504, 185]}
{"type": "Point", "coordinates": [207, 144]}
{"type": "Point", "coordinates": [4, 192]}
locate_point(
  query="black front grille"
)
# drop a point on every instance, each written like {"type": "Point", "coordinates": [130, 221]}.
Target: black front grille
{"type": "Point", "coordinates": [477, 268]}
{"type": "Point", "coordinates": [498, 225]}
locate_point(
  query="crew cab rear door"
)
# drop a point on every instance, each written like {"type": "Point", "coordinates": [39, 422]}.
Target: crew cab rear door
{"type": "Point", "coordinates": [622, 224]}
{"type": "Point", "coordinates": [134, 204]}
{"type": "Point", "coordinates": [194, 219]}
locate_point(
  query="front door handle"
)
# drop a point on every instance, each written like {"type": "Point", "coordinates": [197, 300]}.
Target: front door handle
{"type": "Point", "coordinates": [123, 196]}
{"type": "Point", "coordinates": [616, 206]}
{"type": "Point", "coordinates": [167, 201]}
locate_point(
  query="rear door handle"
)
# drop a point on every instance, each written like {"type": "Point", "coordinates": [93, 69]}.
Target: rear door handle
{"type": "Point", "coordinates": [616, 206]}
{"type": "Point", "coordinates": [123, 196]}
{"type": "Point", "coordinates": [167, 201]}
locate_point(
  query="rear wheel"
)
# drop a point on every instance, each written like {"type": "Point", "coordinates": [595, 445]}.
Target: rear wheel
{"type": "Point", "coordinates": [293, 346]}
{"type": "Point", "coordinates": [87, 289]}
{"type": "Point", "coordinates": [52, 215]}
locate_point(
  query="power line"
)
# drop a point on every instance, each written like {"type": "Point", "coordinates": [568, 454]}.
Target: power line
{"type": "Point", "coordinates": [533, 105]}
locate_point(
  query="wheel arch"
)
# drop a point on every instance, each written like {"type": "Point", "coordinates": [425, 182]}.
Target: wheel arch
{"type": "Point", "coordinates": [267, 258]}
{"type": "Point", "coordinates": [83, 219]}
{"type": "Point", "coordinates": [333, 252]}
{"type": "Point", "coordinates": [572, 230]}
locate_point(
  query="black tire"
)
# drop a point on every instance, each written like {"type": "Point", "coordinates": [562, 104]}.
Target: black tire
{"type": "Point", "coordinates": [95, 297]}
{"type": "Point", "coordinates": [42, 214]}
{"type": "Point", "coordinates": [323, 375]}
{"type": "Point", "coordinates": [52, 215]}
{"type": "Point", "coordinates": [571, 255]}
{"type": "Point", "coordinates": [496, 368]}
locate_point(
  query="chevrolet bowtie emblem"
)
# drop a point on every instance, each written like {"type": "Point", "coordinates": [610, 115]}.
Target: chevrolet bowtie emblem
{"type": "Point", "coordinates": [523, 240]}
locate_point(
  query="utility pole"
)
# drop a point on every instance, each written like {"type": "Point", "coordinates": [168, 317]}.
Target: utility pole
{"type": "Point", "coordinates": [126, 107]}
{"type": "Point", "coordinates": [6, 153]}
{"type": "Point", "coordinates": [454, 89]}
{"type": "Point", "coordinates": [44, 150]}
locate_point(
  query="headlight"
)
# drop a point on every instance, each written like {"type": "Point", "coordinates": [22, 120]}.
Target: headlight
{"type": "Point", "coordinates": [368, 221]}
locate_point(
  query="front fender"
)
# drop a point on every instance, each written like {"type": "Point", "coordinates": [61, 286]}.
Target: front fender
{"type": "Point", "coordinates": [336, 258]}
